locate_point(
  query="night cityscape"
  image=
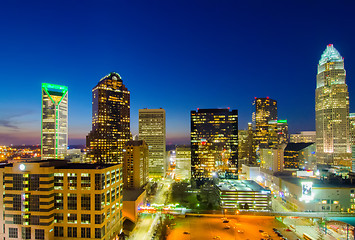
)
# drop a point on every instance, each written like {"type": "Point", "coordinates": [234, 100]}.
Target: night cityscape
{"type": "Point", "coordinates": [177, 120]}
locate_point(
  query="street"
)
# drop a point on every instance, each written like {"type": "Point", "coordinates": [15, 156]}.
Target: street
{"type": "Point", "coordinates": [147, 223]}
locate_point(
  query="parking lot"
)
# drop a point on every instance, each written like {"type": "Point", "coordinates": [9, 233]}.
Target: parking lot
{"type": "Point", "coordinates": [241, 227]}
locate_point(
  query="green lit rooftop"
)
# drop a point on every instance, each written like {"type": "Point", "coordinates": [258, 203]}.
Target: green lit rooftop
{"type": "Point", "coordinates": [49, 86]}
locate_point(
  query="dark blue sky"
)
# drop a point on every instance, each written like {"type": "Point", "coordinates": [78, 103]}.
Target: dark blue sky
{"type": "Point", "coordinates": [178, 55]}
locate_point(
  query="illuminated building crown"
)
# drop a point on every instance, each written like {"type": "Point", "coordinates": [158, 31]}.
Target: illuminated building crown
{"type": "Point", "coordinates": [330, 54]}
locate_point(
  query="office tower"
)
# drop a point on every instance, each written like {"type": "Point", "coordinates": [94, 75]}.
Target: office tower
{"type": "Point", "coordinates": [243, 144]}
{"type": "Point", "coordinates": [277, 133]}
{"type": "Point", "coordinates": [265, 111]}
{"type": "Point", "coordinates": [252, 145]}
{"type": "Point", "coordinates": [332, 110]}
{"type": "Point", "coordinates": [54, 139]}
{"type": "Point", "coordinates": [303, 137]}
{"type": "Point", "coordinates": [272, 159]}
{"type": "Point", "coordinates": [183, 163]}
{"type": "Point", "coordinates": [152, 130]}
{"type": "Point", "coordinates": [214, 143]}
{"type": "Point", "coordinates": [352, 128]}
{"type": "Point", "coordinates": [135, 164]}
{"type": "Point", "coordinates": [54, 199]}
{"type": "Point", "coordinates": [110, 120]}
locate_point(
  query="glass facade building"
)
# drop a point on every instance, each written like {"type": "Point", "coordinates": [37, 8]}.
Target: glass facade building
{"type": "Point", "coordinates": [332, 110]}
{"type": "Point", "coordinates": [110, 120]}
{"type": "Point", "coordinates": [152, 130]}
{"type": "Point", "coordinates": [54, 136]}
{"type": "Point", "coordinates": [265, 113]}
{"type": "Point", "coordinates": [214, 143]}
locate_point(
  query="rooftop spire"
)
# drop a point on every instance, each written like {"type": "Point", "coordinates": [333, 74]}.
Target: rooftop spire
{"type": "Point", "coordinates": [330, 54]}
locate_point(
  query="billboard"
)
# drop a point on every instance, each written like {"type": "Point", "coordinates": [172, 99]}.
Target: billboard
{"type": "Point", "coordinates": [307, 194]}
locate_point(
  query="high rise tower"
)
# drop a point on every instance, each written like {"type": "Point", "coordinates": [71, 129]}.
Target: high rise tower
{"type": "Point", "coordinates": [332, 110]}
{"type": "Point", "coordinates": [54, 139]}
{"type": "Point", "coordinates": [214, 143]}
{"type": "Point", "coordinates": [265, 113]}
{"type": "Point", "coordinates": [152, 130]}
{"type": "Point", "coordinates": [110, 120]}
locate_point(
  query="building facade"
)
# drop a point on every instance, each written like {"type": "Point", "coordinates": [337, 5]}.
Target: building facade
{"type": "Point", "coordinates": [295, 157]}
{"type": "Point", "coordinates": [332, 110]}
{"type": "Point", "coordinates": [278, 133]}
{"type": "Point", "coordinates": [243, 194]}
{"type": "Point", "coordinates": [303, 137]}
{"type": "Point", "coordinates": [152, 130]}
{"type": "Point", "coordinates": [110, 120]}
{"type": "Point", "coordinates": [59, 200]}
{"type": "Point", "coordinates": [214, 143]}
{"type": "Point", "coordinates": [183, 163]}
{"type": "Point", "coordinates": [311, 194]}
{"type": "Point", "coordinates": [135, 164]}
{"type": "Point", "coordinates": [265, 112]}
{"type": "Point", "coordinates": [272, 159]}
{"type": "Point", "coordinates": [54, 134]}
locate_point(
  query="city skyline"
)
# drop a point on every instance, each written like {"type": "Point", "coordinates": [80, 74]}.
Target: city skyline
{"type": "Point", "coordinates": [174, 64]}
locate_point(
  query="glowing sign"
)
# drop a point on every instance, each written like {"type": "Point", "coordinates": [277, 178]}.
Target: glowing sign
{"type": "Point", "coordinates": [281, 121]}
{"type": "Point", "coordinates": [54, 86]}
{"type": "Point", "coordinates": [22, 167]}
{"type": "Point", "coordinates": [307, 193]}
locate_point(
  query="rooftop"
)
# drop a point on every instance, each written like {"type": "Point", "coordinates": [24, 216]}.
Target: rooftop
{"type": "Point", "coordinates": [132, 195]}
{"type": "Point", "coordinates": [297, 146]}
{"type": "Point", "coordinates": [112, 76]}
{"type": "Point", "coordinates": [240, 186]}
{"type": "Point", "coordinates": [330, 54]}
{"type": "Point", "coordinates": [317, 183]}
{"type": "Point", "coordinates": [64, 164]}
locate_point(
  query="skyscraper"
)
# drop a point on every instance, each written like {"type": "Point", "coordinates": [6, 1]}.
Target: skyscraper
{"type": "Point", "coordinates": [135, 164]}
{"type": "Point", "coordinates": [54, 134]}
{"type": "Point", "coordinates": [152, 130]}
{"type": "Point", "coordinates": [110, 120]}
{"type": "Point", "coordinates": [214, 143]}
{"type": "Point", "coordinates": [265, 113]}
{"type": "Point", "coordinates": [183, 163]}
{"type": "Point", "coordinates": [332, 110]}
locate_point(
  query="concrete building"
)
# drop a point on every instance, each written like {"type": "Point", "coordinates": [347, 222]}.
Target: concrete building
{"type": "Point", "coordinates": [135, 164]}
{"type": "Point", "coordinates": [243, 194]}
{"type": "Point", "coordinates": [332, 110]}
{"type": "Point", "coordinates": [303, 137]}
{"type": "Point", "coordinates": [310, 194]}
{"type": "Point", "coordinates": [153, 131]}
{"type": "Point", "coordinates": [249, 172]}
{"type": "Point", "coordinates": [54, 132]}
{"type": "Point", "coordinates": [54, 199]}
{"type": "Point", "coordinates": [132, 200]}
{"type": "Point", "coordinates": [183, 163]}
{"type": "Point", "coordinates": [214, 143]}
{"type": "Point", "coordinates": [110, 120]}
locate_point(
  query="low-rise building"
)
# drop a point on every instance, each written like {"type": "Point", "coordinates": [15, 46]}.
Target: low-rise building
{"type": "Point", "coordinates": [250, 172]}
{"type": "Point", "coordinates": [243, 194]}
{"type": "Point", "coordinates": [311, 194]}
